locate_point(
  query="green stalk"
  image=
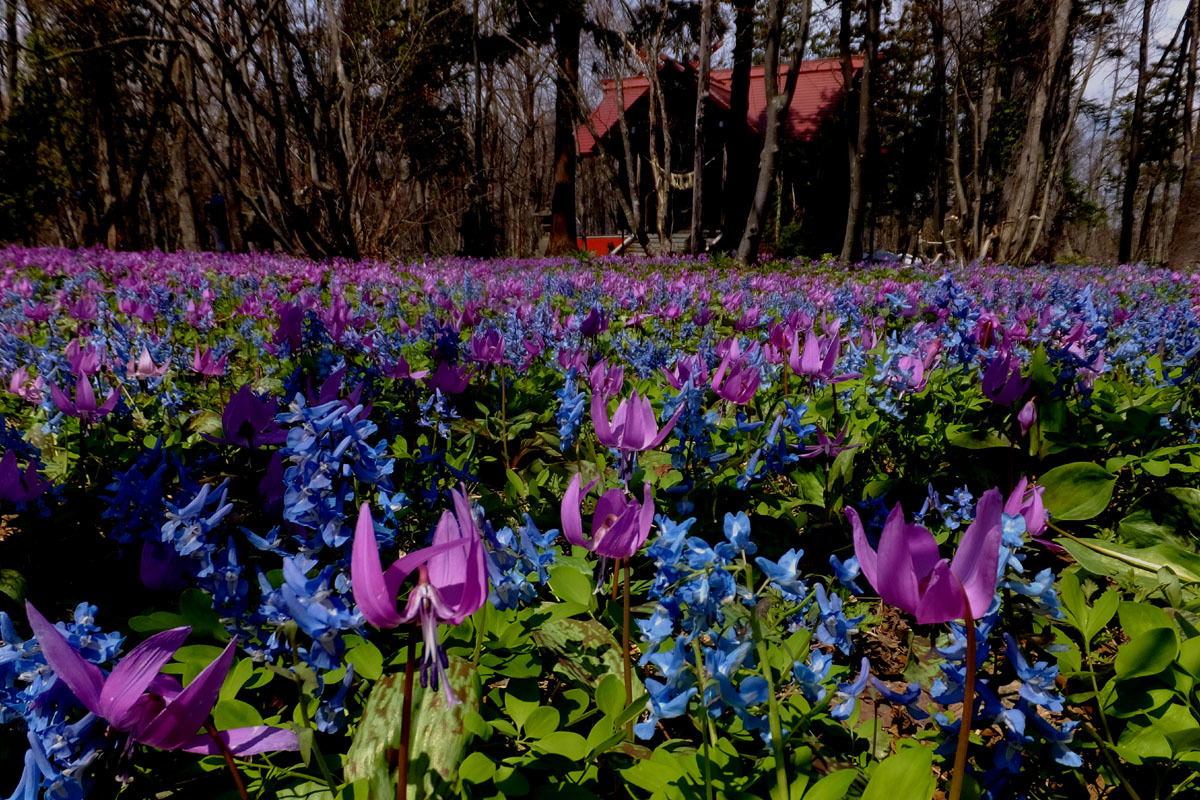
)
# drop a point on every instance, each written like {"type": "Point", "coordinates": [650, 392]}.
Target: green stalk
{"type": "Point", "coordinates": [504, 418]}
{"type": "Point", "coordinates": [781, 779]}
{"type": "Point", "coordinates": [702, 679]}
{"type": "Point", "coordinates": [480, 633]}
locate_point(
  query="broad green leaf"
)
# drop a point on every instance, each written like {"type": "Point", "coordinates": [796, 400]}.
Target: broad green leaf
{"type": "Point", "coordinates": [367, 661]}
{"type": "Point", "coordinates": [1189, 501]}
{"type": "Point", "coordinates": [586, 650]}
{"type": "Point", "coordinates": [1077, 491]}
{"type": "Point", "coordinates": [476, 768]}
{"type": "Point", "coordinates": [1101, 612]}
{"type": "Point", "coordinates": [233, 713]}
{"type": "Point", "coordinates": [833, 786]}
{"type": "Point", "coordinates": [572, 585]}
{"type": "Point", "coordinates": [1116, 560]}
{"type": "Point", "coordinates": [438, 734]}
{"type": "Point", "coordinates": [542, 722]}
{"type": "Point", "coordinates": [12, 583]}
{"type": "Point", "coordinates": [1149, 653]}
{"type": "Point", "coordinates": [237, 678]}
{"type": "Point", "coordinates": [563, 743]}
{"type": "Point", "coordinates": [1137, 618]}
{"type": "Point", "coordinates": [961, 436]}
{"type": "Point", "coordinates": [610, 695]}
{"type": "Point", "coordinates": [907, 774]}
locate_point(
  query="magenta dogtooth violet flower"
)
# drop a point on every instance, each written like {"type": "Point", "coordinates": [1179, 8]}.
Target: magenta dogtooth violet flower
{"type": "Point", "coordinates": [909, 574]}
{"type": "Point", "coordinates": [452, 583]}
{"type": "Point", "coordinates": [735, 379]}
{"type": "Point", "coordinates": [620, 524]}
{"type": "Point", "coordinates": [16, 487]}
{"type": "Point", "coordinates": [154, 708]}
{"type": "Point", "coordinates": [633, 427]}
{"type": "Point", "coordinates": [84, 405]}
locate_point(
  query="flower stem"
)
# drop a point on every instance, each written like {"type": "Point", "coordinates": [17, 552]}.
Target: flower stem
{"type": "Point", "coordinates": [480, 633]}
{"type": "Point", "coordinates": [225, 751]}
{"type": "Point", "coordinates": [701, 678]}
{"type": "Point", "coordinates": [406, 720]}
{"type": "Point", "coordinates": [781, 779]}
{"type": "Point", "coordinates": [625, 650]}
{"type": "Point", "coordinates": [964, 727]}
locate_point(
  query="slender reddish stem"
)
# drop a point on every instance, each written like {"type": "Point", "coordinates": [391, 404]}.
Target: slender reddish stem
{"type": "Point", "coordinates": [406, 720]}
{"type": "Point", "coordinates": [626, 649]}
{"type": "Point", "coordinates": [964, 728]}
{"type": "Point", "coordinates": [228, 754]}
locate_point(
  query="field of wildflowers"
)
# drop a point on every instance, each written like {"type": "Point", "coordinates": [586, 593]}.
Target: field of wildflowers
{"type": "Point", "coordinates": [610, 528]}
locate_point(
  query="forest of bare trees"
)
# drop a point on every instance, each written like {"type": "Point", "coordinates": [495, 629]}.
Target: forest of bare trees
{"type": "Point", "coordinates": [1019, 130]}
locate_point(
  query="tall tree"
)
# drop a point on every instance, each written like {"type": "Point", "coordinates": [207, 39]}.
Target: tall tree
{"type": "Point", "coordinates": [10, 53]}
{"type": "Point", "coordinates": [777, 105]}
{"type": "Point", "coordinates": [696, 245]}
{"type": "Point", "coordinates": [1133, 160]}
{"type": "Point", "coordinates": [1020, 189]}
{"type": "Point", "coordinates": [567, 28]}
{"type": "Point", "coordinates": [1184, 250]}
{"type": "Point", "coordinates": [859, 142]}
{"type": "Point", "coordinates": [739, 145]}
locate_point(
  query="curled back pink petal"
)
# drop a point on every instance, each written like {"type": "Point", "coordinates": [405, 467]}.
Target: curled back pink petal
{"type": "Point", "coordinates": [185, 714]}
{"type": "Point", "coordinates": [133, 675]}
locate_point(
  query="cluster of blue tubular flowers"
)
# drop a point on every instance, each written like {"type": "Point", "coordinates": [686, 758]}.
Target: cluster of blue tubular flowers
{"type": "Point", "coordinates": [516, 561]}
{"type": "Point", "coordinates": [694, 586]}
{"type": "Point", "coordinates": [63, 738]}
{"type": "Point", "coordinates": [189, 527]}
{"type": "Point", "coordinates": [437, 413]}
{"type": "Point", "coordinates": [331, 716]}
{"type": "Point", "coordinates": [326, 449]}
{"type": "Point", "coordinates": [954, 512]}
{"type": "Point", "coordinates": [1039, 589]}
{"type": "Point", "coordinates": [571, 406]}
{"type": "Point", "coordinates": [321, 607]}
{"type": "Point", "coordinates": [777, 453]}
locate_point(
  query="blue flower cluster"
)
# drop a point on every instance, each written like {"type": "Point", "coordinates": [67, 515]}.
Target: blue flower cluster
{"type": "Point", "coordinates": [571, 406]}
{"type": "Point", "coordinates": [63, 739]}
{"type": "Point", "coordinates": [513, 557]}
{"type": "Point", "coordinates": [327, 449]}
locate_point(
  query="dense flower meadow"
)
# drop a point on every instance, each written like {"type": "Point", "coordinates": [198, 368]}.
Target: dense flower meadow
{"type": "Point", "coordinates": [610, 528]}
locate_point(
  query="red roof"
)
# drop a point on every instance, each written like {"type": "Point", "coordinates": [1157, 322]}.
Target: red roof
{"type": "Point", "coordinates": [818, 88]}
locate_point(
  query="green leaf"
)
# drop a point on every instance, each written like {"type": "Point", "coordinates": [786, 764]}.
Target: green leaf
{"type": "Point", "coordinates": [12, 583]}
{"type": "Point", "coordinates": [229, 714]}
{"type": "Point", "coordinates": [1077, 491]}
{"type": "Point", "coordinates": [1141, 564]}
{"type": "Point", "coordinates": [1101, 612]}
{"type": "Point", "coordinates": [518, 709]}
{"type": "Point", "coordinates": [367, 661]}
{"type": "Point", "coordinates": [586, 650]}
{"type": "Point", "coordinates": [961, 436]}
{"type": "Point", "coordinates": [571, 585]}
{"type": "Point", "coordinates": [438, 734]}
{"type": "Point", "coordinates": [237, 678]}
{"type": "Point", "coordinates": [476, 768]}
{"type": "Point", "coordinates": [833, 786]}
{"type": "Point", "coordinates": [1149, 653]}
{"type": "Point", "coordinates": [563, 743]}
{"type": "Point", "coordinates": [1189, 501]}
{"type": "Point", "coordinates": [1137, 618]}
{"type": "Point", "coordinates": [911, 768]}
{"type": "Point", "coordinates": [542, 722]}
{"type": "Point", "coordinates": [610, 695]}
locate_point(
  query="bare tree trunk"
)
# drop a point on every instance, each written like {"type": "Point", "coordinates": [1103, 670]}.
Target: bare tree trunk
{"type": "Point", "coordinates": [697, 241]}
{"type": "Point", "coordinates": [1134, 159]}
{"type": "Point", "coordinates": [739, 143]}
{"type": "Point", "coordinates": [937, 21]}
{"type": "Point", "coordinates": [852, 244]}
{"type": "Point", "coordinates": [1184, 250]}
{"type": "Point", "coordinates": [563, 237]}
{"type": "Point", "coordinates": [633, 213]}
{"type": "Point", "coordinates": [180, 189]}
{"type": "Point", "coordinates": [777, 105]}
{"type": "Point", "coordinates": [1021, 185]}
{"type": "Point", "coordinates": [10, 54]}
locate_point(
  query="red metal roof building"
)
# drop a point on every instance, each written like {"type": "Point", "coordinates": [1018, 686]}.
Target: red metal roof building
{"type": "Point", "coordinates": [819, 91]}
